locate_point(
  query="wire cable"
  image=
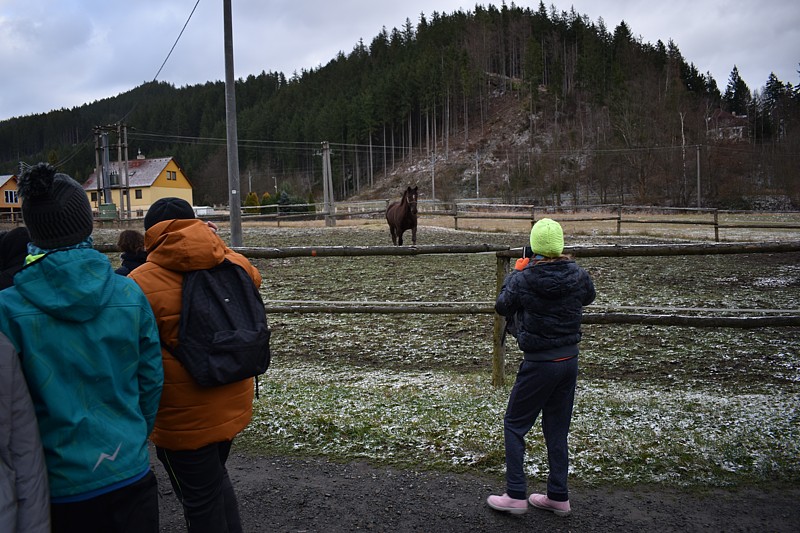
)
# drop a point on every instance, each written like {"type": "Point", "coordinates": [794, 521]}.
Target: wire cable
{"type": "Point", "coordinates": [84, 143]}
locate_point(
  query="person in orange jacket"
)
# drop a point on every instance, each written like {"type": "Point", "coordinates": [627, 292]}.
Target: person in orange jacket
{"type": "Point", "coordinates": [195, 426]}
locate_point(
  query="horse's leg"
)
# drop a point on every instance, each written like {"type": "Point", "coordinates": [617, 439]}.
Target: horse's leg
{"type": "Point", "coordinates": [394, 237]}
{"type": "Point", "coordinates": [400, 237]}
{"type": "Point", "coordinates": [414, 234]}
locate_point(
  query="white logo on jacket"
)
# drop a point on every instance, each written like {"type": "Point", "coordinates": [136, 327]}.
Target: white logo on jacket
{"type": "Point", "coordinates": [104, 456]}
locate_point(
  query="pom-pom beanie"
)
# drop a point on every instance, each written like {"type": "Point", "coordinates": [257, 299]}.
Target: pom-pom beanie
{"type": "Point", "coordinates": [547, 238]}
{"type": "Point", "coordinates": [168, 209]}
{"type": "Point", "coordinates": [55, 208]}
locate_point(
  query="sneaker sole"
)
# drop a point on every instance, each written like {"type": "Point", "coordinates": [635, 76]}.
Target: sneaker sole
{"type": "Point", "coordinates": [557, 512]}
{"type": "Point", "coordinates": [511, 510]}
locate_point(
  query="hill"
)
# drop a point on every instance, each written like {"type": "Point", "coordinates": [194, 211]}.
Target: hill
{"type": "Point", "coordinates": [545, 105]}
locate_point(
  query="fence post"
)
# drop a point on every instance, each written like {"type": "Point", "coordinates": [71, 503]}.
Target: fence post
{"type": "Point", "coordinates": [716, 225]}
{"type": "Point", "coordinates": [619, 220]}
{"type": "Point", "coordinates": [533, 216]}
{"type": "Point", "coordinates": [455, 215]}
{"type": "Point", "coordinates": [499, 351]}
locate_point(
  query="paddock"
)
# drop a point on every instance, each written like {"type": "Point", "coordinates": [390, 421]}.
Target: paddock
{"type": "Point", "coordinates": [699, 317]}
{"type": "Point", "coordinates": [713, 405]}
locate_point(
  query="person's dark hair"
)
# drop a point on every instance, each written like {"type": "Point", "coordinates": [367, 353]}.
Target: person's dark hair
{"type": "Point", "coordinates": [130, 241]}
{"type": "Point", "coordinates": [14, 247]}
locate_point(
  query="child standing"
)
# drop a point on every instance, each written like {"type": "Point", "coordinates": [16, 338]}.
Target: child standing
{"type": "Point", "coordinates": [544, 296]}
{"type": "Point", "coordinates": [131, 243]}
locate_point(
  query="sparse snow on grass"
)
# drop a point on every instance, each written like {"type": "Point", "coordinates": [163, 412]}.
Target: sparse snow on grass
{"type": "Point", "coordinates": [673, 405]}
{"type": "Point", "coordinates": [443, 420]}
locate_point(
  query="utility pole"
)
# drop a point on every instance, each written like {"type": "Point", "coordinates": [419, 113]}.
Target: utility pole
{"type": "Point", "coordinates": [122, 190]}
{"type": "Point", "coordinates": [97, 168]}
{"type": "Point", "coordinates": [433, 177]}
{"type": "Point", "coordinates": [125, 167]}
{"type": "Point", "coordinates": [107, 199]}
{"type": "Point", "coordinates": [698, 175]}
{"type": "Point", "coordinates": [477, 177]}
{"type": "Point", "coordinates": [234, 193]}
{"type": "Point", "coordinates": [327, 185]}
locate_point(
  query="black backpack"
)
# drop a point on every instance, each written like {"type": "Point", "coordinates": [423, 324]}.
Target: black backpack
{"type": "Point", "coordinates": [223, 336]}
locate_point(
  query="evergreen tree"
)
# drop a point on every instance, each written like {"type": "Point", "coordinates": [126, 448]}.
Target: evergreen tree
{"type": "Point", "coordinates": [737, 97]}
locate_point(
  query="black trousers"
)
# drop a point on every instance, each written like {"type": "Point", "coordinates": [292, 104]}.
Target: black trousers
{"type": "Point", "coordinates": [200, 480]}
{"type": "Point", "coordinates": [131, 509]}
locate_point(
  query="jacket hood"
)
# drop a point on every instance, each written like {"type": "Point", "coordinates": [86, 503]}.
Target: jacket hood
{"type": "Point", "coordinates": [555, 279]}
{"type": "Point", "coordinates": [183, 245]}
{"type": "Point", "coordinates": [73, 284]}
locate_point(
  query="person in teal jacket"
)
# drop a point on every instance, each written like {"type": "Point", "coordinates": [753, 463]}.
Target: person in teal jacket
{"type": "Point", "coordinates": [91, 356]}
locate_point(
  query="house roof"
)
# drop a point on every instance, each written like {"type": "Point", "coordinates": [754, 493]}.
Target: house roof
{"type": "Point", "coordinates": [5, 179]}
{"type": "Point", "coordinates": [723, 119]}
{"type": "Point", "coordinates": [141, 172]}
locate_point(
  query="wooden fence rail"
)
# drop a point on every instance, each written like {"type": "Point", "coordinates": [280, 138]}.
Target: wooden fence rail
{"type": "Point", "coordinates": [504, 254]}
{"type": "Point", "coordinates": [619, 218]}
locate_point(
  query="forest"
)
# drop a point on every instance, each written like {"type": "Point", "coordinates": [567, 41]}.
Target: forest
{"type": "Point", "coordinates": [598, 117]}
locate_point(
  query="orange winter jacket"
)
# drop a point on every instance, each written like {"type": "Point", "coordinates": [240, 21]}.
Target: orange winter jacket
{"type": "Point", "coordinates": [189, 416]}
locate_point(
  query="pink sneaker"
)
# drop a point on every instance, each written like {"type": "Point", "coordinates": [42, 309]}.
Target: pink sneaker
{"type": "Point", "coordinates": [540, 501]}
{"type": "Point", "coordinates": [508, 504]}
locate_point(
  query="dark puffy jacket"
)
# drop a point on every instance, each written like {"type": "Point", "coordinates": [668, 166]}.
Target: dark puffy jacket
{"type": "Point", "coordinates": [545, 301]}
{"type": "Point", "coordinates": [130, 262]}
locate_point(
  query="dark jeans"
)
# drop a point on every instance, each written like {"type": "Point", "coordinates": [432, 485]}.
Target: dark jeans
{"type": "Point", "coordinates": [131, 509]}
{"type": "Point", "coordinates": [549, 388]}
{"type": "Point", "coordinates": [200, 480]}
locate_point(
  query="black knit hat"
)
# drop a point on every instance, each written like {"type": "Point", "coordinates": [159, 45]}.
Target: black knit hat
{"type": "Point", "coordinates": [54, 207]}
{"type": "Point", "coordinates": [167, 209]}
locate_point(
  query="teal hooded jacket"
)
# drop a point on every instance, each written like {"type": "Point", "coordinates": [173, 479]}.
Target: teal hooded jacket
{"type": "Point", "coordinates": [91, 355]}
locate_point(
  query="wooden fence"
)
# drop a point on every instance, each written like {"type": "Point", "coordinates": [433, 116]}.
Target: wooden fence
{"type": "Point", "coordinates": [621, 214]}
{"type": "Point", "coordinates": [464, 210]}
{"type": "Point", "coordinates": [504, 254]}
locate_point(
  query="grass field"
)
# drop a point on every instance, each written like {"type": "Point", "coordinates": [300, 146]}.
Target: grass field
{"type": "Point", "coordinates": [673, 405]}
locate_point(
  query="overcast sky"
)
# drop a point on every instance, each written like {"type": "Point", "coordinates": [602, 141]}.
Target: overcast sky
{"type": "Point", "coordinates": [64, 53]}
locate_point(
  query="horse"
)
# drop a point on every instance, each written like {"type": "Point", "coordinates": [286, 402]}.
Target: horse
{"type": "Point", "coordinates": [402, 216]}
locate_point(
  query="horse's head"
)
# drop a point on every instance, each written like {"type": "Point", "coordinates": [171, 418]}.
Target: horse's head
{"type": "Point", "coordinates": [411, 198]}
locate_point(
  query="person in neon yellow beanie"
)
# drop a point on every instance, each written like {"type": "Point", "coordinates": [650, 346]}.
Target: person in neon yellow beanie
{"type": "Point", "coordinates": [544, 295]}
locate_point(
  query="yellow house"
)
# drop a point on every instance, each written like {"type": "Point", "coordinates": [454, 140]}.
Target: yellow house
{"type": "Point", "coordinates": [9, 201]}
{"type": "Point", "coordinates": [148, 181]}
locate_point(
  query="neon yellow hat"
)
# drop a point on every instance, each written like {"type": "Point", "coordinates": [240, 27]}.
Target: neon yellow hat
{"type": "Point", "coordinates": [547, 238]}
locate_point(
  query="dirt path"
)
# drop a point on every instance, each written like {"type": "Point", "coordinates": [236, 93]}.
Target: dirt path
{"type": "Point", "coordinates": [280, 494]}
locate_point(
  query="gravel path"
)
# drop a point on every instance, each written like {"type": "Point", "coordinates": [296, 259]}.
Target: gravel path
{"type": "Point", "coordinates": [302, 495]}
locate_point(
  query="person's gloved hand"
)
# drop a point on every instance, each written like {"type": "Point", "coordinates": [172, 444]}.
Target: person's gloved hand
{"type": "Point", "coordinates": [521, 263]}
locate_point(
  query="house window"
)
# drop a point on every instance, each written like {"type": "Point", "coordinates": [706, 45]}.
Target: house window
{"type": "Point", "coordinates": [11, 197]}
{"type": "Point", "coordinates": [172, 175]}
{"type": "Point", "coordinates": [138, 194]}
{"type": "Point", "coordinates": [94, 196]}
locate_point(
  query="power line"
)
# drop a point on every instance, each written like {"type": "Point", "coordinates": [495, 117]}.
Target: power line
{"type": "Point", "coordinates": [176, 41]}
{"type": "Point", "coordinates": [82, 145]}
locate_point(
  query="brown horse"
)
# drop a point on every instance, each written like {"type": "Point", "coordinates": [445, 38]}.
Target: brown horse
{"type": "Point", "coordinates": [402, 216]}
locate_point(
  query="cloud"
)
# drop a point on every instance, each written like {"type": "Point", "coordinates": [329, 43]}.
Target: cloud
{"type": "Point", "coordinates": [66, 53]}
